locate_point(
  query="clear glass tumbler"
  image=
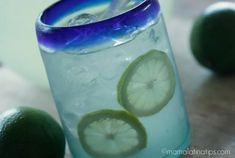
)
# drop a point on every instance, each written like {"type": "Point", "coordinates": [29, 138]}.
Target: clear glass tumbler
{"type": "Point", "coordinates": [113, 77]}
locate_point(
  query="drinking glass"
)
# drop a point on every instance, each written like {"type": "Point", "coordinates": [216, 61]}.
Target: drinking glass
{"type": "Point", "coordinates": [113, 77]}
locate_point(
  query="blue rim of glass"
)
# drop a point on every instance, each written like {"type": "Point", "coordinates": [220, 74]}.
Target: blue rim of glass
{"type": "Point", "coordinates": [58, 39]}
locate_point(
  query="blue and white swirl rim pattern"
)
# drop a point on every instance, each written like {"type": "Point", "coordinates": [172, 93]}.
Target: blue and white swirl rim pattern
{"type": "Point", "coordinates": [55, 38]}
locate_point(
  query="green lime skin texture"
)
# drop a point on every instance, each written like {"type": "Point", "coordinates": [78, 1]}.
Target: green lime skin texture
{"type": "Point", "coordinates": [212, 38]}
{"type": "Point", "coordinates": [111, 134]}
{"type": "Point", "coordinates": [30, 133]}
{"type": "Point", "coordinates": [148, 84]}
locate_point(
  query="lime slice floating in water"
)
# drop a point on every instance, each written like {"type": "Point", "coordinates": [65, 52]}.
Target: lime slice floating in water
{"type": "Point", "coordinates": [148, 84]}
{"type": "Point", "coordinates": [111, 134]}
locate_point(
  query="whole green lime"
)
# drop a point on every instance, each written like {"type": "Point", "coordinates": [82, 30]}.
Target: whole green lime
{"type": "Point", "coordinates": [213, 38]}
{"type": "Point", "coordinates": [30, 133]}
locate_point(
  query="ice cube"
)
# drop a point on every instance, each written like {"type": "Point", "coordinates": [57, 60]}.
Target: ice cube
{"type": "Point", "coordinates": [132, 3]}
{"type": "Point", "coordinates": [117, 7]}
{"type": "Point", "coordinates": [81, 19]}
{"type": "Point", "coordinates": [153, 36]}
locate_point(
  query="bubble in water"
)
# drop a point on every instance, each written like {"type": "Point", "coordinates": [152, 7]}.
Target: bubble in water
{"type": "Point", "coordinates": [82, 19]}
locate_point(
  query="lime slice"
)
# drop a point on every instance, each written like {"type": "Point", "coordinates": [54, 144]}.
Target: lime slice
{"type": "Point", "coordinates": [111, 134]}
{"type": "Point", "coordinates": [148, 84]}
